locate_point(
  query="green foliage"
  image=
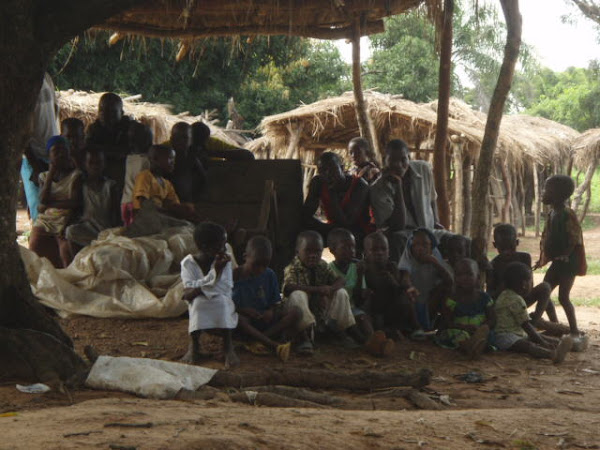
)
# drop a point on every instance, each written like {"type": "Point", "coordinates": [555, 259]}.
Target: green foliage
{"type": "Point", "coordinates": [571, 97]}
{"type": "Point", "coordinates": [264, 76]}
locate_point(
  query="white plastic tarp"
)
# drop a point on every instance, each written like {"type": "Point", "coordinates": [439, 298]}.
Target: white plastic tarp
{"type": "Point", "coordinates": [116, 276]}
{"type": "Point", "coordinates": [146, 377]}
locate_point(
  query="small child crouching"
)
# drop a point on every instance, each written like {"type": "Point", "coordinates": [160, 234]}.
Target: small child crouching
{"type": "Point", "coordinates": [258, 300]}
{"type": "Point", "coordinates": [514, 332]}
{"type": "Point", "coordinates": [311, 285]}
{"type": "Point", "coordinates": [467, 314]}
{"type": "Point", "coordinates": [208, 283]}
{"type": "Point", "coordinates": [392, 296]}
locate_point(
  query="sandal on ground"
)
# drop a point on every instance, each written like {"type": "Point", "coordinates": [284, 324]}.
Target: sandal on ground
{"type": "Point", "coordinates": [283, 351]}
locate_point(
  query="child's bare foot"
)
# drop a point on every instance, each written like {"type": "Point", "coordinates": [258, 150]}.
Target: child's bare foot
{"type": "Point", "coordinates": [580, 343]}
{"type": "Point", "coordinates": [231, 359]}
{"type": "Point", "coordinates": [565, 344]}
{"type": "Point", "coordinates": [193, 357]}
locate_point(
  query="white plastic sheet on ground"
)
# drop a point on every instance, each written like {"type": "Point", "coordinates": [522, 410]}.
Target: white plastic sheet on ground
{"type": "Point", "coordinates": [116, 276]}
{"type": "Point", "coordinates": [146, 377]}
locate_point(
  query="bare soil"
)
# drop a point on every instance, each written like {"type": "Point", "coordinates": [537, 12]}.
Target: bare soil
{"type": "Point", "coordinates": [522, 402]}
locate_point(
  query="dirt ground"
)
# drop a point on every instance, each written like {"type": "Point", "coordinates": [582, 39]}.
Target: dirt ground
{"type": "Point", "coordinates": [521, 403]}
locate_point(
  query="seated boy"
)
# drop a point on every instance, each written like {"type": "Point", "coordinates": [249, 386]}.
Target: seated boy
{"type": "Point", "coordinates": [100, 203]}
{"type": "Point", "coordinates": [514, 331]}
{"type": "Point", "coordinates": [506, 242]}
{"type": "Point", "coordinates": [342, 244]}
{"type": "Point", "coordinates": [152, 186]}
{"type": "Point", "coordinates": [429, 274]}
{"type": "Point", "coordinates": [73, 130]}
{"type": "Point", "coordinates": [392, 296]}
{"type": "Point", "coordinates": [311, 285]}
{"type": "Point", "coordinates": [455, 249]}
{"type": "Point", "coordinates": [258, 300]}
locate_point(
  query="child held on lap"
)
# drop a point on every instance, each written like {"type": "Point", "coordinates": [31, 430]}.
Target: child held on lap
{"type": "Point", "coordinates": [392, 296]}
{"type": "Point", "coordinates": [152, 186]}
{"type": "Point", "coordinates": [208, 287]}
{"type": "Point", "coordinates": [429, 275]}
{"type": "Point", "coordinates": [258, 300]}
{"type": "Point", "coordinates": [514, 332]}
{"type": "Point", "coordinates": [506, 242]}
{"type": "Point", "coordinates": [60, 197]}
{"type": "Point", "coordinates": [342, 244]}
{"type": "Point", "coordinates": [468, 313]}
{"type": "Point", "coordinates": [311, 285]}
{"type": "Point", "coordinates": [562, 245]}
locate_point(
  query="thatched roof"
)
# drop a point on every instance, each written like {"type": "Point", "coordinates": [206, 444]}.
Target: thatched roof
{"type": "Point", "coordinates": [323, 19]}
{"type": "Point", "coordinates": [160, 118]}
{"type": "Point", "coordinates": [331, 123]}
{"type": "Point", "coordinates": [586, 148]}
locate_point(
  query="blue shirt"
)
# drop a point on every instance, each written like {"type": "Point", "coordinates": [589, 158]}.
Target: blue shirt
{"type": "Point", "coordinates": [259, 293]}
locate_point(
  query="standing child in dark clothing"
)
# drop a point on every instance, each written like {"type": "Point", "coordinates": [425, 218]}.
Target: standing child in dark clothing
{"type": "Point", "coordinates": [100, 204]}
{"type": "Point", "coordinates": [189, 176]}
{"type": "Point", "coordinates": [506, 242]}
{"type": "Point", "coordinates": [467, 314]}
{"type": "Point", "coordinates": [342, 245]}
{"type": "Point", "coordinates": [73, 130]}
{"type": "Point", "coordinates": [109, 133]}
{"type": "Point", "coordinates": [562, 245]}
{"type": "Point", "coordinates": [257, 299]}
{"type": "Point", "coordinates": [391, 303]}
{"type": "Point", "coordinates": [208, 286]}
{"type": "Point", "coordinates": [513, 328]}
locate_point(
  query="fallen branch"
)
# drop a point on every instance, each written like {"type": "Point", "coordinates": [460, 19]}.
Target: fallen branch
{"type": "Point", "coordinates": [273, 400]}
{"type": "Point", "coordinates": [299, 394]}
{"type": "Point", "coordinates": [322, 379]}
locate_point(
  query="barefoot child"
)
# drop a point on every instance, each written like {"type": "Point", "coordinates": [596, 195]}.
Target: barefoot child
{"type": "Point", "coordinates": [429, 274]}
{"type": "Point", "coordinates": [60, 198]}
{"type": "Point", "coordinates": [311, 285]}
{"type": "Point", "coordinates": [391, 302]}
{"type": "Point", "coordinates": [208, 284]}
{"type": "Point", "coordinates": [342, 244]}
{"type": "Point", "coordinates": [514, 332]}
{"type": "Point", "coordinates": [467, 314]}
{"type": "Point", "coordinates": [506, 242]}
{"type": "Point", "coordinates": [562, 245]}
{"type": "Point", "coordinates": [258, 300]}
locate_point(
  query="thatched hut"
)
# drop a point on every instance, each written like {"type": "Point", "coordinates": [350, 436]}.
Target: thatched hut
{"type": "Point", "coordinates": [528, 147]}
{"type": "Point", "coordinates": [160, 118]}
{"type": "Point", "coordinates": [586, 155]}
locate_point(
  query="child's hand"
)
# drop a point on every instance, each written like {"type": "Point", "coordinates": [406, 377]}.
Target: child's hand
{"type": "Point", "coordinates": [412, 293]}
{"type": "Point", "coordinates": [221, 261]}
{"type": "Point", "coordinates": [325, 291]}
{"type": "Point", "coordinates": [536, 266]}
{"type": "Point", "coordinates": [428, 259]}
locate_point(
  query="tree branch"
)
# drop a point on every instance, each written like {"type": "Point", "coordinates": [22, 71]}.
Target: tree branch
{"type": "Point", "coordinates": [589, 9]}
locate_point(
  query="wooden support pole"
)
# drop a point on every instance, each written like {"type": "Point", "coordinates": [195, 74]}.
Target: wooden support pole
{"type": "Point", "coordinates": [441, 132]}
{"type": "Point", "coordinates": [479, 227]}
{"type": "Point", "coordinates": [295, 131]}
{"type": "Point", "coordinates": [537, 206]}
{"type": "Point", "coordinates": [583, 187]}
{"type": "Point", "coordinates": [459, 203]}
{"type": "Point", "coordinates": [361, 107]}
{"type": "Point", "coordinates": [466, 193]}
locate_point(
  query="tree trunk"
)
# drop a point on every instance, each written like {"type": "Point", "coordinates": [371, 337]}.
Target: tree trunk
{"type": "Point", "coordinates": [459, 203]}
{"type": "Point", "coordinates": [583, 187]}
{"type": "Point", "coordinates": [492, 126]}
{"type": "Point", "coordinates": [32, 32]}
{"type": "Point", "coordinates": [537, 207]}
{"type": "Point", "coordinates": [466, 192]}
{"type": "Point", "coordinates": [362, 110]}
{"type": "Point", "coordinates": [441, 132]}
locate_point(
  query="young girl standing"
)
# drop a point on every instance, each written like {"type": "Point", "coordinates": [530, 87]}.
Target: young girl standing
{"type": "Point", "coordinates": [208, 288]}
{"type": "Point", "coordinates": [562, 246]}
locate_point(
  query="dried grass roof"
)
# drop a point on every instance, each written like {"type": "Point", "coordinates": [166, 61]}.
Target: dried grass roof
{"type": "Point", "coordinates": [160, 118]}
{"type": "Point", "coordinates": [331, 123]}
{"type": "Point", "coordinates": [324, 19]}
{"type": "Point", "coordinates": [586, 148]}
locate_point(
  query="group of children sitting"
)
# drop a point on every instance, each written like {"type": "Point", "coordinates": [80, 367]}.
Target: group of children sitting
{"type": "Point", "coordinates": [375, 302]}
{"type": "Point", "coordinates": [105, 177]}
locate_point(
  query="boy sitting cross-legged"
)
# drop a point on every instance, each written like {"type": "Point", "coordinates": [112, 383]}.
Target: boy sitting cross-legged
{"type": "Point", "coordinates": [258, 300]}
{"type": "Point", "coordinates": [514, 331]}
{"type": "Point", "coordinates": [311, 285]}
